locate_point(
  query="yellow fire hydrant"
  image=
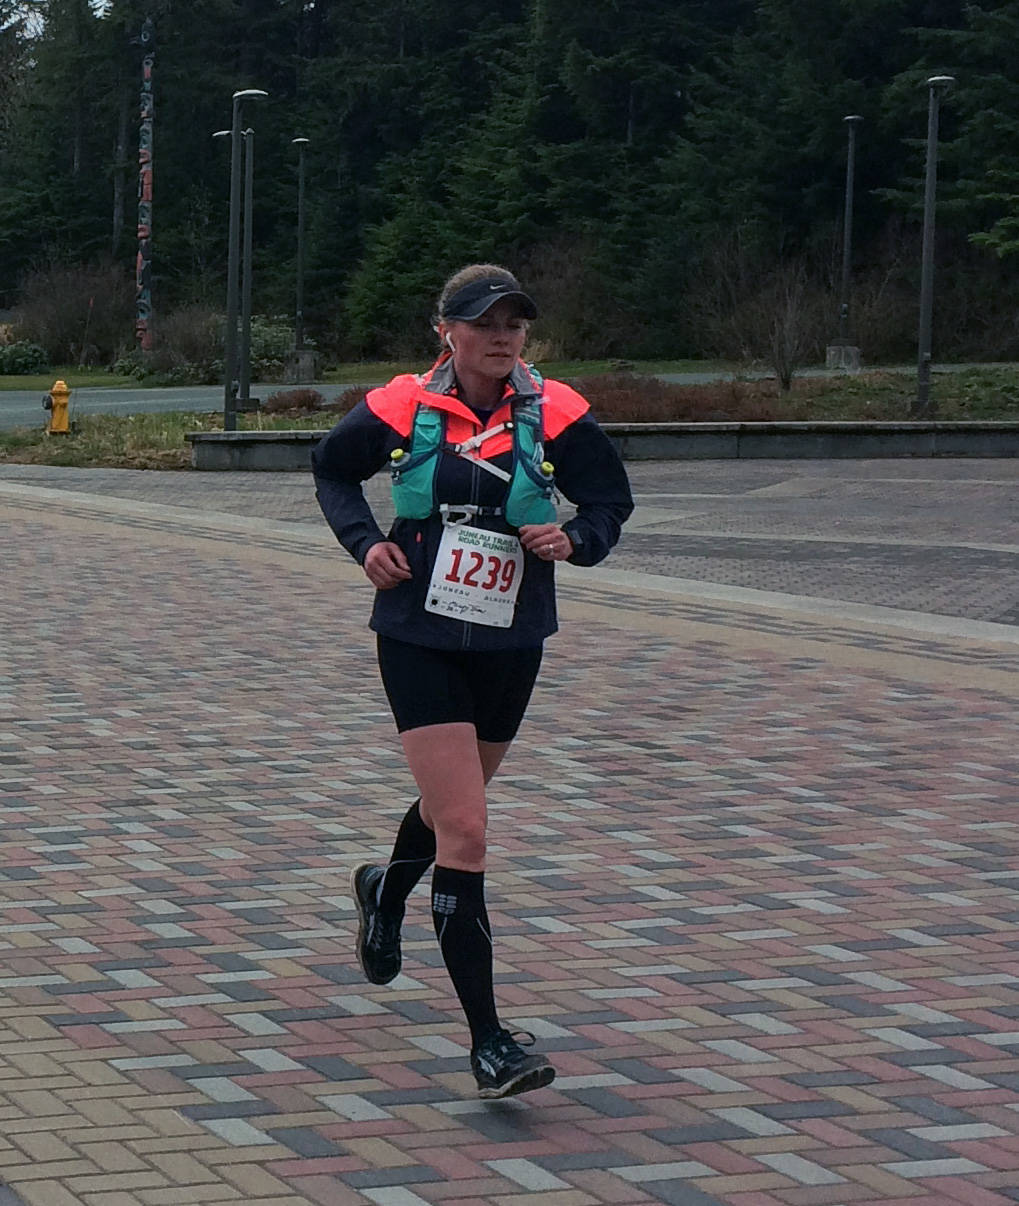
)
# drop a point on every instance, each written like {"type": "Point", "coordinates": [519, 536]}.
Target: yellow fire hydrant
{"type": "Point", "coordinates": [56, 403]}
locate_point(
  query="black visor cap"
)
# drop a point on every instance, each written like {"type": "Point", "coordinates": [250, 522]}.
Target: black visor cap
{"type": "Point", "coordinates": [470, 302]}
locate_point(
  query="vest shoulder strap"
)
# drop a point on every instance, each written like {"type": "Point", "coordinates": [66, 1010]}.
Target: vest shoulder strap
{"type": "Point", "coordinates": [563, 406]}
{"type": "Point", "coordinates": [396, 402]}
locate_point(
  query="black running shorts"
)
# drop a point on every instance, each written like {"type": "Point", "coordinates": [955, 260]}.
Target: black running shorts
{"type": "Point", "coordinates": [441, 686]}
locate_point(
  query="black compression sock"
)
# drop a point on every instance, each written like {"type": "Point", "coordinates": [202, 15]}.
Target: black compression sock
{"type": "Point", "coordinates": [413, 854]}
{"type": "Point", "coordinates": [465, 939]}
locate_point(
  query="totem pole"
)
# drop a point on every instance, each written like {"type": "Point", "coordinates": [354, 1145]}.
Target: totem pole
{"type": "Point", "coordinates": [143, 276]}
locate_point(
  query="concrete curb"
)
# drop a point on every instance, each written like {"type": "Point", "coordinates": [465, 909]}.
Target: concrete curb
{"type": "Point", "coordinates": [291, 450]}
{"type": "Point", "coordinates": [275, 451]}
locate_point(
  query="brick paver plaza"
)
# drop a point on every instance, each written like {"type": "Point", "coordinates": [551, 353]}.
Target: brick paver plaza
{"type": "Point", "coordinates": [754, 884]}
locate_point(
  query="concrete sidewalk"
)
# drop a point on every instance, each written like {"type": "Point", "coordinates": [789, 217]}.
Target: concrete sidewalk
{"type": "Point", "coordinates": [753, 882]}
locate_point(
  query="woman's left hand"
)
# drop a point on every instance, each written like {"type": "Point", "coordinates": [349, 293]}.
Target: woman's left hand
{"type": "Point", "coordinates": [546, 540]}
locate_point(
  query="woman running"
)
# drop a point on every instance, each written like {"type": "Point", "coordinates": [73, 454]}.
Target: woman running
{"type": "Point", "coordinates": [478, 447]}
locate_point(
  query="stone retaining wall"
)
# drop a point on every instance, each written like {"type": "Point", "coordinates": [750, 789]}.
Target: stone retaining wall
{"type": "Point", "coordinates": [291, 450]}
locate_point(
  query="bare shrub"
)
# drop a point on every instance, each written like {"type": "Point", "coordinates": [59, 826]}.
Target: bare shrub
{"type": "Point", "coordinates": [537, 350]}
{"type": "Point", "coordinates": [976, 300]}
{"type": "Point", "coordinates": [349, 398]}
{"type": "Point", "coordinates": [310, 401]}
{"type": "Point", "coordinates": [883, 316]}
{"type": "Point", "coordinates": [187, 349]}
{"type": "Point", "coordinates": [307, 400]}
{"type": "Point", "coordinates": [191, 335]}
{"type": "Point", "coordinates": [976, 309]}
{"type": "Point", "coordinates": [80, 313]}
{"type": "Point", "coordinates": [627, 398]}
{"type": "Point", "coordinates": [884, 295]}
{"type": "Point", "coordinates": [580, 313]}
{"type": "Point", "coordinates": [787, 320]}
{"type": "Point", "coordinates": [753, 309]}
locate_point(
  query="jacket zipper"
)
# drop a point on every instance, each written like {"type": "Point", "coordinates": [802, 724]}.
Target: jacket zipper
{"type": "Point", "coordinates": [465, 640]}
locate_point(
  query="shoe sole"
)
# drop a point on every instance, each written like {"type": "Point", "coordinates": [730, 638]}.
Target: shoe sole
{"type": "Point", "coordinates": [535, 1078]}
{"type": "Point", "coordinates": [362, 927]}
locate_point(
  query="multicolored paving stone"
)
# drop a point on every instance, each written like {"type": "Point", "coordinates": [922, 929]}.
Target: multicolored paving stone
{"type": "Point", "coordinates": [755, 888]}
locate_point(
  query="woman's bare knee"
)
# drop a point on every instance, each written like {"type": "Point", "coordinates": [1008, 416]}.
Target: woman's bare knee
{"type": "Point", "coordinates": [460, 835]}
{"type": "Point", "coordinates": [460, 851]}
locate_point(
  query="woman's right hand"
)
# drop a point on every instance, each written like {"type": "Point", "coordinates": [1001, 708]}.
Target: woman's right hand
{"type": "Point", "coordinates": [386, 565]}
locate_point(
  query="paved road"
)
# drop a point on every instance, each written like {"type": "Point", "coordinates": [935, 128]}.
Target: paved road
{"type": "Point", "coordinates": [23, 408]}
{"type": "Point", "coordinates": [753, 882]}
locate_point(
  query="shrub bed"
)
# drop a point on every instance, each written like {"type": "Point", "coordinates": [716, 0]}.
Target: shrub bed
{"type": "Point", "coordinates": [22, 357]}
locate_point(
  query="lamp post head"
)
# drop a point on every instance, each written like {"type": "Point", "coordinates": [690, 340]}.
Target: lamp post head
{"type": "Point", "coordinates": [222, 133]}
{"type": "Point", "coordinates": [941, 81]}
{"type": "Point", "coordinates": [853, 118]}
{"type": "Point", "coordinates": [246, 93]}
{"type": "Point", "coordinates": [300, 141]}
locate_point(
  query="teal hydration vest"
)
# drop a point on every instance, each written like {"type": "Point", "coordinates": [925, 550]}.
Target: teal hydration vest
{"type": "Point", "coordinates": [530, 493]}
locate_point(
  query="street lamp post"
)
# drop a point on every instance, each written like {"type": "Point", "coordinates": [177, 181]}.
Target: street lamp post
{"type": "Point", "coordinates": [233, 257]}
{"type": "Point", "coordinates": [925, 409]}
{"type": "Point", "coordinates": [300, 143]}
{"type": "Point", "coordinates": [852, 121]}
{"type": "Point", "coordinates": [244, 375]}
{"type": "Point", "coordinates": [841, 354]}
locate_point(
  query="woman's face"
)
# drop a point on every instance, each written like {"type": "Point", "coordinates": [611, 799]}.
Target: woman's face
{"type": "Point", "coordinates": [491, 345]}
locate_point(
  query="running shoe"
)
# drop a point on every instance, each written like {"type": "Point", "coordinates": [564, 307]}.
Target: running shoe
{"type": "Point", "coordinates": [378, 933]}
{"type": "Point", "coordinates": [502, 1068]}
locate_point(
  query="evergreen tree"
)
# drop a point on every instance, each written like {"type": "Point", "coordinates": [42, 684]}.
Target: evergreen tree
{"type": "Point", "coordinates": [13, 48]}
{"type": "Point", "coordinates": [602, 149]}
{"type": "Point", "coordinates": [51, 152]}
{"type": "Point", "coordinates": [984, 130]}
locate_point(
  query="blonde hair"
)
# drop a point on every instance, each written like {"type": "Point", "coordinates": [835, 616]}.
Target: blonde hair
{"type": "Point", "coordinates": [466, 276]}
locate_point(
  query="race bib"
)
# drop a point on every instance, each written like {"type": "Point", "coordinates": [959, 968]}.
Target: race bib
{"type": "Point", "coordinates": [476, 576]}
